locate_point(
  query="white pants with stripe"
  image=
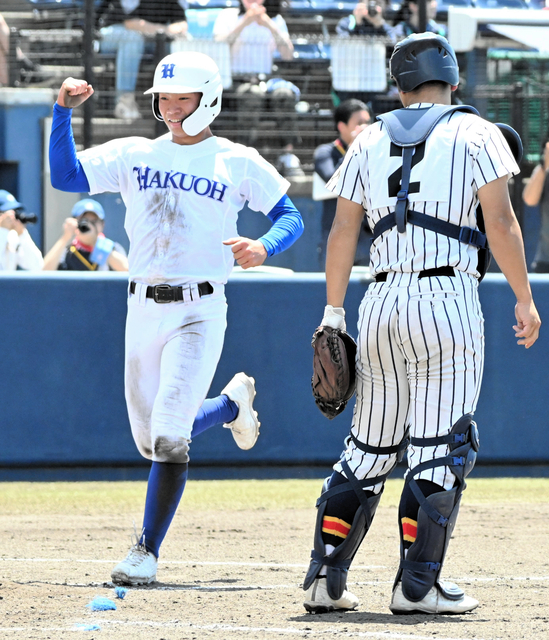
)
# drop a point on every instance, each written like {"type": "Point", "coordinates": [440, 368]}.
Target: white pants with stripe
{"type": "Point", "coordinates": [419, 366]}
{"type": "Point", "coordinates": [172, 352]}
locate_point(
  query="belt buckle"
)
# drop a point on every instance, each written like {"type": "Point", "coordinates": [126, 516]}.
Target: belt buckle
{"type": "Point", "coordinates": [163, 293]}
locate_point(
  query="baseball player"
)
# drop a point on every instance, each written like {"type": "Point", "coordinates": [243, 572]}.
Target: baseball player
{"type": "Point", "coordinates": [183, 192]}
{"type": "Point", "coordinates": [417, 175]}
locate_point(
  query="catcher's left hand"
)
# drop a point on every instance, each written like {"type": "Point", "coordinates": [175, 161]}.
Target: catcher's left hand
{"type": "Point", "coordinates": [334, 374]}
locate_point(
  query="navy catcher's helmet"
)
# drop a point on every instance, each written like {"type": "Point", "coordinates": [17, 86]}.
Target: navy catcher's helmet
{"type": "Point", "coordinates": [423, 57]}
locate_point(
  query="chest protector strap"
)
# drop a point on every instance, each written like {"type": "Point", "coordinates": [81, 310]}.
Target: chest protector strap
{"type": "Point", "coordinates": [408, 128]}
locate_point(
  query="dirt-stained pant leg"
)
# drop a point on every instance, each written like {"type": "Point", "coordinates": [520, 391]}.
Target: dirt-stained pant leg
{"type": "Point", "coordinates": [172, 351]}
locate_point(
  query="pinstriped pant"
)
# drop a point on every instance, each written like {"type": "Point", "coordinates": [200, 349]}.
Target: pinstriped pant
{"type": "Point", "coordinates": [419, 366]}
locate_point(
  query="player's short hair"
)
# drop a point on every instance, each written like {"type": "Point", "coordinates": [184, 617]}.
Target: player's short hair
{"type": "Point", "coordinates": [346, 108]}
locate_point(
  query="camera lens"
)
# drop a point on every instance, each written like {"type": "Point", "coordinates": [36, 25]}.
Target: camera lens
{"type": "Point", "coordinates": [84, 226]}
{"type": "Point", "coordinates": [26, 218]}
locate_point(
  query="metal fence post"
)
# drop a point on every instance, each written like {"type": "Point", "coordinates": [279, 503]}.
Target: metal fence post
{"type": "Point", "coordinates": [422, 15]}
{"type": "Point", "coordinates": [517, 120]}
{"type": "Point", "coordinates": [161, 51]}
{"type": "Point", "coordinates": [89, 105]}
{"type": "Point", "coordinates": [13, 66]}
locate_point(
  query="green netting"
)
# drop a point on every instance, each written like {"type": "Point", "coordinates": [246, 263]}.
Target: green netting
{"type": "Point", "coordinates": [531, 70]}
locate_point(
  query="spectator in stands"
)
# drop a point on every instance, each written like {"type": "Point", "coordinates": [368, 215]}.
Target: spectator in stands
{"type": "Point", "coordinates": [128, 28]}
{"type": "Point", "coordinates": [254, 37]}
{"type": "Point", "coordinates": [366, 20]}
{"type": "Point", "coordinates": [536, 192]}
{"type": "Point", "coordinates": [407, 19]}
{"type": "Point", "coordinates": [4, 52]}
{"type": "Point", "coordinates": [23, 70]}
{"type": "Point", "coordinates": [83, 245]}
{"type": "Point", "coordinates": [17, 249]}
{"type": "Point", "coordinates": [350, 117]}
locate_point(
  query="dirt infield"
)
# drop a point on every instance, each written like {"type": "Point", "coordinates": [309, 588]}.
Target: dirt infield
{"type": "Point", "coordinates": [236, 571]}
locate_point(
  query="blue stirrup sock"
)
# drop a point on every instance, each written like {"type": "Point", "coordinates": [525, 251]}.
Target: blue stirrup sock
{"type": "Point", "coordinates": [164, 491]}
{"type": "Point", "coordinates": [167, 481]}
{"type": "Point", "coordinates": [214, 411]}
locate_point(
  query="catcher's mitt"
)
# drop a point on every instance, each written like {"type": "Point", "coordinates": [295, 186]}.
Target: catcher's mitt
{"type": "Point", "coordinates": [334, 373]}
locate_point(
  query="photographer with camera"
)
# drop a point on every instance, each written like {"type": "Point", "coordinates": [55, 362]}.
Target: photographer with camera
{"type": "Point", "coordinates": [17, 248]}
{"type": "Point", "coordinates": [407, 19]}
{"type": "Point", "coordinates": [83, 245]}
{"type": "Point", "coordinates": [366, 20]}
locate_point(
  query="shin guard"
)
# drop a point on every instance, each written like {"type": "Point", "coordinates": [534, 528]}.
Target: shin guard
{"type": "Point", "coordinates": [338, 562]}
{"type": "Point", "coordinates": [420, 567]}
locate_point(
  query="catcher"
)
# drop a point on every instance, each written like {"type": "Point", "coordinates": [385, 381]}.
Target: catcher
{"type": "Point", "coordinates": [421, 333]}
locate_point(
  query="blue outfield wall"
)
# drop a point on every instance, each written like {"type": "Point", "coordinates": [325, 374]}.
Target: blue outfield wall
{"type": "Point", "coordinates": [61, 379]}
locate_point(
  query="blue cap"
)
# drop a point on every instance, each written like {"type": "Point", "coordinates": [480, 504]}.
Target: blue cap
{"type": "Point", "coordinates": [88, 205]}
{"type": "Point", "coordinates": [8, 202]}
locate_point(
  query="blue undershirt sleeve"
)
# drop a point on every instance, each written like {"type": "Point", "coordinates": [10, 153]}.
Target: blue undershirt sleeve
{"type": "Point", "coordinates": [286, 229]}
{"type": "Point", "coordinates": [67, 173]}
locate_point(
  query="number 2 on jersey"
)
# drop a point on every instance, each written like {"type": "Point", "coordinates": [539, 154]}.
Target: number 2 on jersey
{"type": "Point", "coordinates": [395, 178]}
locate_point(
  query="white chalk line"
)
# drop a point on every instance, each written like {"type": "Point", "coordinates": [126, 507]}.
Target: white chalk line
{"type": "Point", "coordinates": [278, 566]}
{"type": "Point", "coordinates": [212, 563]}
{"type": "Point", "coordinates": [295, 631]}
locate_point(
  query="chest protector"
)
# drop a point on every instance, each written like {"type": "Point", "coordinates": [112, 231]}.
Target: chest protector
{"type": "Point", "coordinates": [407, 128]}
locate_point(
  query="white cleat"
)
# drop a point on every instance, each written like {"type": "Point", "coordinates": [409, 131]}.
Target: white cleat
{"type": "Point", "coordinates": [139, 567]}
{"type": "Point", "coordinates": [317, 599]}
{"type": "Point", "coordinates": [434, 602]}
{"type": "Point", "coordinates": [245, 427]}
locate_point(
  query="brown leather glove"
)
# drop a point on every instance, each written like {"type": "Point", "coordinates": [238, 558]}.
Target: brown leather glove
{"type": "Point", "coordinates": [334, 373]}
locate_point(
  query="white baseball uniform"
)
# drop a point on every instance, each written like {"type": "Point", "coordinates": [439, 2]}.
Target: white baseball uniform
{"type": "Point", "coordinates": [182, 201]}
{"type": "Point", "coordinates": [421, 340]}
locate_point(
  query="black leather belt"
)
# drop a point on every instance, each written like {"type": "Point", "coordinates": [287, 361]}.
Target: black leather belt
{"type": "Point", "coordinates": [428, 273]}
{"type": "Point", "coordinates": [162, 293]}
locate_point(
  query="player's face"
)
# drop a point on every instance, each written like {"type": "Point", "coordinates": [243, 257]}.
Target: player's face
{"type": "Point", "coordinates": [174, 108]}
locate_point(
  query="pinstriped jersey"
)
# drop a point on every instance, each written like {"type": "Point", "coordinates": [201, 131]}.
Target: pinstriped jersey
{"type": "Point", "coordinates": [463, 153]}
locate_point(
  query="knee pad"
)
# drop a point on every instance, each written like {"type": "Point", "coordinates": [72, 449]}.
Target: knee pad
{"type": "Point", "coordinates": [174, 450]}
{"type": "Point", "coordinates": [420, 567]}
